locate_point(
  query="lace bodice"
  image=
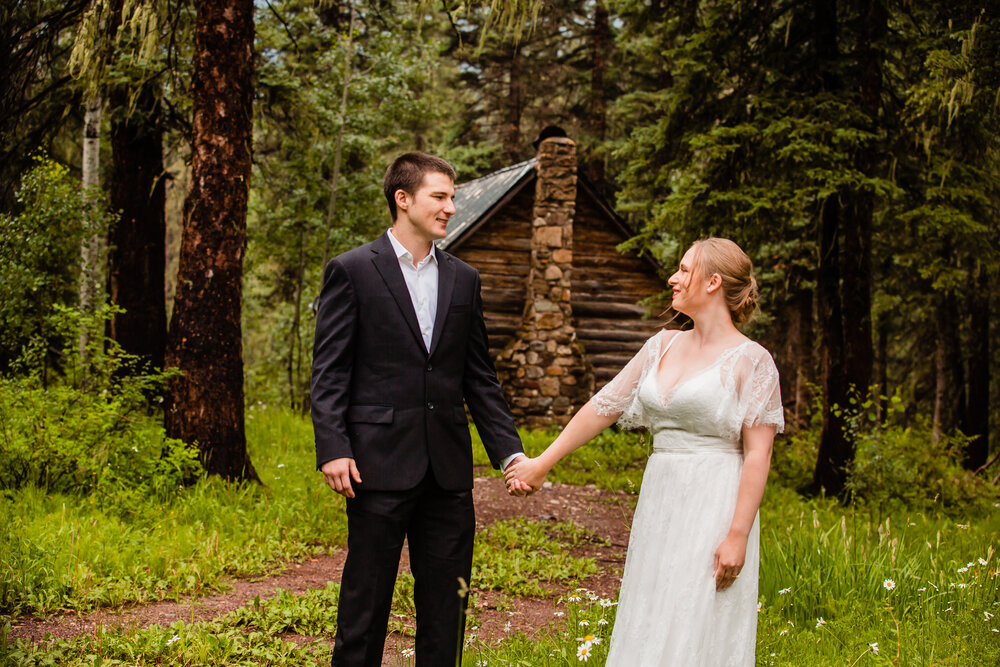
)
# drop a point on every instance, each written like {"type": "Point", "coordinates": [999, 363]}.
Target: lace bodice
{"type": "Point", "coordinates": [738, 389]}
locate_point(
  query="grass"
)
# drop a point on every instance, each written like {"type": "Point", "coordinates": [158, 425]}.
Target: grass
{"type": "Point", "coordinates": [820, 560]}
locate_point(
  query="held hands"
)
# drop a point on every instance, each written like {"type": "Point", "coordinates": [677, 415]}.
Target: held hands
{"type": "Point", "coordinates": [339, 473]}
{"type": "Point", "coordinates": [729, 558]}
{"type": "Point", "coordinates": [524, 476]}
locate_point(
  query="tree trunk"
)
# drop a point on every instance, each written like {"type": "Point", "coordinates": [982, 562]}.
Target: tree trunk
{"type": "Point", "coordinates": [601, 47]}
{"type": "Point", "coordinates": [980, 358]}
{"type": "Point", "coordinates": [138, 241]}
{"type": "Point", "coordinates": [205, 403]}
{"type": "Point", "coordinates": [512, 126]}
{"type": "Point", "coordinates": [836, 448]}
{"type": "Point", "coordinates": [94, 243]}
{"type": "Point", "coordinates": [949, 385]}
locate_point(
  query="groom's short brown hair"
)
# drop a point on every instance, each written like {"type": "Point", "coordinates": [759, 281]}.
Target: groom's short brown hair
{"type": "Point", "coordinates": [406, 173]}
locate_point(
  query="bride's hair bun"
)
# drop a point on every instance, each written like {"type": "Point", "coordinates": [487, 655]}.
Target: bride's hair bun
{"type": "Point", "coordinates": [722, 256]}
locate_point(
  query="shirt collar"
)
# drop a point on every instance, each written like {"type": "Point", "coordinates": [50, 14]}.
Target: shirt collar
{"type": "Point", "coordinates": [403, 253]}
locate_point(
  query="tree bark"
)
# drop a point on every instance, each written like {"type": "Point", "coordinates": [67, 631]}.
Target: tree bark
{"type": "Point", "coordinates": [949, 385]}
{"type": "Point", "coordinates": [601, 46]}
{"type": "Point", "coordinates": [512, 127]}
{"type": "Point", "coordinates": [138, 242]}
{"type": "Point", "coordinates": [94, 243]}
{"type": "Point", "coordinates": [980, 358]}
{"type": "Point", "coordinates": [836, 448]}
{"type": "Point", "coordinates": [205, 403]}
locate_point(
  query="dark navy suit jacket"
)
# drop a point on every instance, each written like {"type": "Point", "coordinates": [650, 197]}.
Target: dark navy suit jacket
{"type": "Point", "coordinates": [380, 397]}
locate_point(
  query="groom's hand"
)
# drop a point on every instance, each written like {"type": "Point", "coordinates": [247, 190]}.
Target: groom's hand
{"type": "Point", "coordinates": [516, 487]}
{"type": "Point", "coordinates": [339, 473]}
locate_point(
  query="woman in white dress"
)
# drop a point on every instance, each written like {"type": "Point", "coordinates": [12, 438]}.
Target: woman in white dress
{"type": "Point", "coordinates": [710, 398]}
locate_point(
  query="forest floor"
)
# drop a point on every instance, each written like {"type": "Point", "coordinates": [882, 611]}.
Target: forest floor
{"type": "Point", "coordinates": [604, 515]}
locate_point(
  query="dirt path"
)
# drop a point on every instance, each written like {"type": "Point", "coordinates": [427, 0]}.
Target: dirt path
{"type": "Point", "coordinates": [604, 514]}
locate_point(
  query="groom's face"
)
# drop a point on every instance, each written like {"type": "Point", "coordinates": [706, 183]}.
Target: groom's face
{"type": "Point", "coordinates": [430, 207]}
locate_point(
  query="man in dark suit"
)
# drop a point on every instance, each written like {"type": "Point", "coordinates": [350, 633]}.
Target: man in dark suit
{"type": "Point", "coordinates": [400, 343]}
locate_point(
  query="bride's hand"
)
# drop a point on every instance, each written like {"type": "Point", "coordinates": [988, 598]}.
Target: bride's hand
{"type": "Point", "coordinates": [528, 471]}
{"type": "Point", "coordinates": [729, 558]}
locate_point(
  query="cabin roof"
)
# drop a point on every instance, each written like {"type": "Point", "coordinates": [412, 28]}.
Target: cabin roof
{"type": "Point", "coordinates": [476, 201]}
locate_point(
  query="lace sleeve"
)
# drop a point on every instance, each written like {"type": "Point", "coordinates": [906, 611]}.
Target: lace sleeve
{"type": "Point", "coordinates": [620, 396]}
{"type": "Point", "coordinates": [761, 396]}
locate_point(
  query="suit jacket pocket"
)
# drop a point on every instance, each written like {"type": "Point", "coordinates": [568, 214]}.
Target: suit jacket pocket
{"type": "Point", "coordinates": [370, 414]}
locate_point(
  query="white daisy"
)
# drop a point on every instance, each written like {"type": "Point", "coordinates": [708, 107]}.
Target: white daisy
{"type": "Point", "coordinates": [889, 584]}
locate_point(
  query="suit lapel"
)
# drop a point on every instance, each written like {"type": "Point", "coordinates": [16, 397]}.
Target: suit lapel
{"type": "Point", "coordinates": [446, 285]}
{"type": "Point", "coordinates": [387, 264]}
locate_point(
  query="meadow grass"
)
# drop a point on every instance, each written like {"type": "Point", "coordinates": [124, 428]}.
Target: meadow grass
{"type": "Point", "coordinates": [836, 583]}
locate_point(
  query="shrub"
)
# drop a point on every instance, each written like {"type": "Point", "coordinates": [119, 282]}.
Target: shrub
{"type": "Point", "coordinates": [906, 466]}
{"type": "Point", "coordinates": [88, 432]}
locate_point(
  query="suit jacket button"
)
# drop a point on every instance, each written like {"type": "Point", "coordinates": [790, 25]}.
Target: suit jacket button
{"type": "Point", "coordinates": [430, 405]}
{"type": "Point", "coordinates": [430, 367]}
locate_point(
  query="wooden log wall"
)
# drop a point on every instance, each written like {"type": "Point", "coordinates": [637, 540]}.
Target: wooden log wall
{"type": "Point", "coordinates": [501, 251]}
{"type": "Point", "coordinates": [606, 289]}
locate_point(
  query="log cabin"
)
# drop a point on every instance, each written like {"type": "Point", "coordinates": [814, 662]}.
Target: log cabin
{"type": "Point", "coordinates": [564, 309]}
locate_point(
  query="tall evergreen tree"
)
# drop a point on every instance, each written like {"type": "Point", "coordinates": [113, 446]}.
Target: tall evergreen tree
{"type": "Point", "coordinates": [205, 401]}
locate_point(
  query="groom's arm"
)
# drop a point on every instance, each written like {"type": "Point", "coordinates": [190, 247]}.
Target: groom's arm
{"type": "Point", "coordinates": [483, 394]}
{"type": "Point", "coordinates": [333, 361]}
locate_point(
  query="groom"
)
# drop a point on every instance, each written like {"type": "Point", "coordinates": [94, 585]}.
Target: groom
{"type": "Point", "coordinates": [400, 343]}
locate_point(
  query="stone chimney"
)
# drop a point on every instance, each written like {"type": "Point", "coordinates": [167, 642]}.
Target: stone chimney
{"type": "Point", "coordinates": [543, 370]}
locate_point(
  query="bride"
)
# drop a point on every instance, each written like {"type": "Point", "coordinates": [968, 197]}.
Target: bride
{"type": "Point", "coordinates": [710, 398]}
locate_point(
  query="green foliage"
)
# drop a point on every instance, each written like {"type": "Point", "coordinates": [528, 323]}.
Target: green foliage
{"type": "Point", "coordinates": [87, 432]}
{"type": "Point", "coordinates": [908, 467]}
{"type": "Point", "coordinates": [819, 560]}
{"type": "Point", "coordinates": [526, 558]}
{"type": "Point", "coordinates": [39, 256]}
{"type": "Point", "coordinates": [77, 552]}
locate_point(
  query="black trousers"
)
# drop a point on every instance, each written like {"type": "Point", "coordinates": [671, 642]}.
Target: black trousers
{"type": "Point", "coordinates": [439, 527]}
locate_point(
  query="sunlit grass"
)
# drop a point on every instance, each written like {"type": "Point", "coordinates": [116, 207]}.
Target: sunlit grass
{"type": "Point", "coordinates": [819, 560]}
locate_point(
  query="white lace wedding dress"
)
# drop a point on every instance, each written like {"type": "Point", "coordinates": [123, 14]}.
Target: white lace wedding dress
{"type": "Point", "coordinates": [669, 613]}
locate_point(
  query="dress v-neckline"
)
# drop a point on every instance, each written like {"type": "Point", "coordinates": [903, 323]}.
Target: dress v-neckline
{"type": "Point", "coordinates": [668, 396]}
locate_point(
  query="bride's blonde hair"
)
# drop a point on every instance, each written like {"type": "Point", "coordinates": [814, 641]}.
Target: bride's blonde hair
{"type": "Point", "coordinates": [722, 256]}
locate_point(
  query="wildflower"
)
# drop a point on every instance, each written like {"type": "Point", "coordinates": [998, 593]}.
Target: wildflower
{"type": "Point", "coordinates": [408, 652]}
{"type": "Point", "coordinates": [785, 591]}
{"type": "Point", "coordinates": [994, 630]}
{"type": "Point", "coordinates": [584, 623]}
{"type": "Point", "coordinates": [783, 632]}
{"type": "Point", "coordinates": [574, 598]}
{"type": "Point", "coordinates": [583, 652]}
{"type": "Point", "coordinates": [759, 605]}
{"type": "Point", "coordinates": [874, 647]}
{"type": "Point", "coordinates": [921, 590]}
{"type": "Point", "coordinates": [963, 526]}
{"type": "Point", "coordinates": [506, 626]}
{"type": "Point", "coordinates": [605, 603]}
{"type": "Point", "coordinates": [589, 639]}
{"type": "Point", "coordinates": [962, 569]}
{"type": "Point", "coordinates": [982, 561]}
{"type": "Point", "coordinates": [481, 663]}
{"type": "Point", "coordinates": [173, 639]}
{"type": "Point", "coordinates": [987, 615]}
{"type": "Point", "coordinates": [602, 621]}
{"type": "Point", "coordinates": [281, 465]}
{"type": "Point", "coordinates": [558, 613]}
{"type": "Point", "coordinates": [889, 584]}
{"type": "Point", "coordinates": [820, 622]}
{"type": "Point", "coordinates": [968, 564]}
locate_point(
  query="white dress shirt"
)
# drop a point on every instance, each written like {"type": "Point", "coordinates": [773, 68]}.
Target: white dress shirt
{"type": "Point", "coordinates": [422, 284]}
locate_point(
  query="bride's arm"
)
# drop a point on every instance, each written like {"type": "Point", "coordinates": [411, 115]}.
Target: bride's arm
{"type": "Point", "coordinates": [584, 426]}
{"type": "Point", "coordinates": [729, 557]}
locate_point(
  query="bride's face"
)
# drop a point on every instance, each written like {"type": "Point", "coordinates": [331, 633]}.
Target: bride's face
{"type": "Point", "coordinates": [685, 282]}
